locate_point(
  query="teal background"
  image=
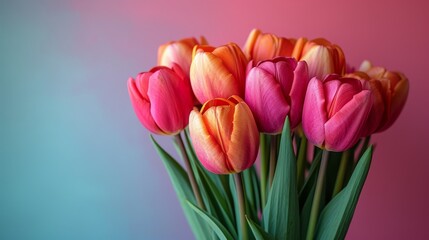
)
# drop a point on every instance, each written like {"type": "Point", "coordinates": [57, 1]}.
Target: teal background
{"type": "Point", "coordinates": [75, 163]}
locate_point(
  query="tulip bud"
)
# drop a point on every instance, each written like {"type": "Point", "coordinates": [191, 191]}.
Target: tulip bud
{"type": "Point", "coordinates": [178, 52]}
{"type": "Point", "coordinates": [322, 57]}
{"type": "Point", "coordinates": [264, 46]}
{"type": "Point", "coordinates": [395, 89]}
{"type": "Point", "coordinates": [334, 112]}
{"type": "Point", "coordinates": [224, 135]}
{"type": "Point", "coordinates": [218, 72]}
{"type": "Point", "coordinates": [162, 99]}
{"type": "Point", "coordinates": [276, 88]}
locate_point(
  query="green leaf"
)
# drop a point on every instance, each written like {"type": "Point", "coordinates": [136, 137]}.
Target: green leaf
{"type": "Point", "coordinates": [257, 231]}
{"type": "Point", "coordinates": [252, 186]}
{"type": "Point", "coordinates": [215, 197]}
{"type": "Point", "coordinates": [215, 225]}
{"type": "Point", "coordinates": [281, 213]}
{"type": "Point", "coordinates": [306, 211]}
{"type": "Point", "coordinates": [182, 187]}
{"type": "Point", "coordinates": [335, 218]}
{"type": "Point", "coordinates": [331, 174]}
{"type": "Point", "coordinates": [307, 193]}
{"type": "Point", "coordinates": [311, 179]}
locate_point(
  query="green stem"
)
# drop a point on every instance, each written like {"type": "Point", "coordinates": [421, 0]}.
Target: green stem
{"type": "Point", "coordinates": [241, 204]}
{"type": "Point", "coordinates": [339, 182]}
{"type": "Point", "coordinates": [264, 167]}
{"type": "Point", "coordinates": [273, 158]}
{"type": "Point", "coordinates": [179, 142]}
{"type": "Point", "coordinates": [302, 158]}
{"type": "Point", "coordinates": [315, 208]}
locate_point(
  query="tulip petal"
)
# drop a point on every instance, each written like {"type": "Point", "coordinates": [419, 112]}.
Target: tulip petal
{"type": "Point", "coordinates": [211, 79]}
{"type": "Point", "coordinates": [244, 139]}
{"type": "Point", "coordinates": [297, 93]}
{"type": "Point", "coordinates": [314, 114]}
{"type": "Point", "coordinates": [344, 128]}
{"type": "Point", "coordinates": [235, 61]}
{"type": "Point", "coordinates": [343, 95]}
{"type": "Point", "coordinates": [264, 96]}
{"type": "Point", "coordinates": [319, 61]}
{"type": "Point", "coordinates": [398, 100]}
{"type": "Point", "coordinates": [165, 90]}
{"type": "Point", "coordinates": [142, 108]}
{"type": "Point", "coordinates": [206, 147]}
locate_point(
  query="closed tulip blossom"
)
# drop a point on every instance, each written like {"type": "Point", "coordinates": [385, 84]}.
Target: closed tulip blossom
{"type": "Point", "coordinates": [178, 52]}
{"type": "Point", "coordinates": [224, 135]}
{"type": "Point", "coordinates": [162, 99]}
{"type": "Point", "coordinates": [218, 72]}
{"type": "Point", "coordinates": [322, 57]}
{"type": "Point", "coordinates": [276, 88]}
{"type": "Point", "coordinates": [264, 46]}
{"type": "Point", "coordinates": [395, 87]}
{"type": "Point", "coordinates": [335, 111]}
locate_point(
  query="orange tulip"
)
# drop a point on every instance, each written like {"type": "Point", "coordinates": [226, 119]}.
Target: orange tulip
{"type": "Point", "coordinates": [264, 46]}
{"type": "Point", "coordinates": [224, 135]}
{"type": "Point", "coordinates": [322, 57]}
{"type": "Point", "coordinates": [395, 89]}
{"type": "Point", "coordinates": [218, 72]}
{"type": "Point", "coordinates": [179, 52]}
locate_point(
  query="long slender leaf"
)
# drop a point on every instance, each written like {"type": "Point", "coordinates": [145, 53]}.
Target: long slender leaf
{"type": "Point", "coordinates": [311, 179]}
{"type": "Point", "coordinates": [281, 214]}
{"type": "Point", "coordinates": [183, 189]}
{"type": "Point", "coordinates": [214, 195]}
{"type": "Point", "coordinates": [335, 219]}
{"type": "Point", "coordinates": [257, 230]}
{"type": "Point", "coordinates": [251, 186]}
{"type": "Point", "coordinates": [215, 225]}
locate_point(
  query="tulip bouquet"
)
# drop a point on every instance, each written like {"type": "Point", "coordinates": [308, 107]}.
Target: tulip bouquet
{"type": "Point", "coordinates": [294, 105]}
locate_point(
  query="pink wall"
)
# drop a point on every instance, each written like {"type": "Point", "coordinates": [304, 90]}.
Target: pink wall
{"type": "Point", "coordinates": [393, 34]}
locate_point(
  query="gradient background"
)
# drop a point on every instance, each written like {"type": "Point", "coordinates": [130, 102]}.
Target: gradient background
{"type": "Point", "coordinates": [77, 164]}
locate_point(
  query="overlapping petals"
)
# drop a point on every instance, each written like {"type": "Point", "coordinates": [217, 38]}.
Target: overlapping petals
{"type": "Point", "coordinates": [162, 99]}
{"type": "Point", "coordinates": [224, 135]}
{"type": "Point", "coordinates": [274, 89]}
{"type": "Point", "coordinates": [335, 111]}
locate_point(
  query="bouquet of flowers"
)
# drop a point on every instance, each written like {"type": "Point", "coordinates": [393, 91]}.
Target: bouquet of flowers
{"type": "Point", "coordinates": [294, 105]}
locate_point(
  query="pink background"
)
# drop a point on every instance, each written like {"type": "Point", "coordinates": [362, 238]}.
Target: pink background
{"type": "Point", "coordinates": [82, 53]}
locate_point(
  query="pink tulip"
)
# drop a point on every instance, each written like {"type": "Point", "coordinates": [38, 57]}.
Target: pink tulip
{"type": "Point", "coordinates": [377, 111]}
{"type": "Point", "coordinates": [334, 112]}
{"type": "Point", "coordinates": [395, 87]}
{"type": "Point", "coordinates": [224, 135]}
{"type": "Point", "coordinates": [162, 99]}
{"type": "Point", "coordinates": [218, 72]}
{"type": "Point", "coordinates": [322, 57]}
{"type": "Point", "coordinates": [178, 52]}
{"type": "Point", "coordinates": [276, 88]}
{"type": "Point", "coordinates": [264, 46]}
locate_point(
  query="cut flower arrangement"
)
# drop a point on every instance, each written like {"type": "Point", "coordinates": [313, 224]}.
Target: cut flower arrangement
{"type": "Point", "coordinates": [274, 137]}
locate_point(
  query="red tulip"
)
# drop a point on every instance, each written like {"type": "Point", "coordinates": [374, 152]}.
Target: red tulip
{"type": "Point", "coordinates": [276, 88]}
{"type": "Point", "coordinates": [334, 112]}
{"type": "Point", "coordinates": [224, 135]}
{"type": "Point", "coordinates": [178, 52]}
{"type": "Point", "coordinates": [162, 99]}
{"type": "Point", "coordinates": [264, 46]}
{"type": "Point", "coordinates": [218, 72]}
{"type": "Point", "coordinates": [322, 57]}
